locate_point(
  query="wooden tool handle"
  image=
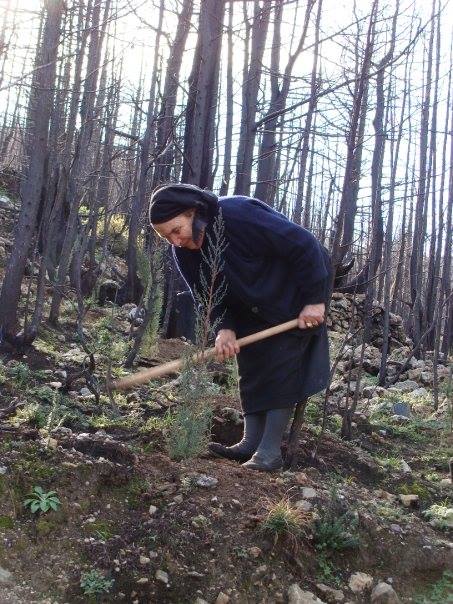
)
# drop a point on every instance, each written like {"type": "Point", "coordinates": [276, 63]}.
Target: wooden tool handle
{"type": "Point", "coordinates": [144, 376]}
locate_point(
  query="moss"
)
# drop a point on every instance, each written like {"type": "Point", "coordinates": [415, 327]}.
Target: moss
{"type": "Point", "coordinates": [6, 522]}
{"type": "Point", "coordinates": [44, 527]}
{"type": "Point", "coordinates": [133, 491]}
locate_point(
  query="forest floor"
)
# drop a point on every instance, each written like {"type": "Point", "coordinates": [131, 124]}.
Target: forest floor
{"type": "Point", "coordinates": [147, 527]}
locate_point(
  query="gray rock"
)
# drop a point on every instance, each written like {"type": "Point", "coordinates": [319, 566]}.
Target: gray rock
{"type": "Point", "coordinates": [409, 501]}
{"type": "Point", "coordinates": [3, 469]}
{"type": "Point", "coordinates": [304, 505]}
{"type": "Point", "coordinates": [207, 482]}
{"type": "Point", "coordinates": [136, 316]}
{"type": "Point", "coordinates": [5, 576]}
{"type": "Point", "coordinates": [308, 493]}
{"type": "Point", "coordinates": [406, 386]}
{"type": "Point", "coordinates": [85, 391]}
{"type": "Point", "coordinates": [162, 576]}
{"type": "Point", "coordinates": [6, 203]}
{"type": "Point", "coordinates": [384, 593]}
{"type": "Point", "coordinates": [420, 393]}
{"type": "Point", "coordinates": [368, 391]}
{"type": "Point", "coordinates": [426, 378]}
{"type": "Point", "coordinates": [222, 598]}
{"type": "Point", "coordinates": [401, 409]}
{"type": "Point", "coordinates": [232, 414]}
{"type": "Point", "coordinates": [297, 596]}
{"type": "Point", "coordinates": [330, 594]}
{"type": "Point", "coordinates": [405, 467]}
{"type": "Point", "coordinates": [360, 582]}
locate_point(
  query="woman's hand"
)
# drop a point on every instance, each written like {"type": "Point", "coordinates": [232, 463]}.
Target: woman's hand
{"type": "Point", "coordinates": [311, 315]}
{"type": "Point", "coordinates": [226, 345]}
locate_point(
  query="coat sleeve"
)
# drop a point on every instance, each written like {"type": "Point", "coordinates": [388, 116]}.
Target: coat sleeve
{"type": "Point", "coordinates": [272, 234]}
{"type": "Point", "coordinates": [189, 268]}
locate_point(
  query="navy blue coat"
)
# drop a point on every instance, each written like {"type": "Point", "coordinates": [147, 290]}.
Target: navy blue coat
{"type": "Point", "coordinates": [272, 268]}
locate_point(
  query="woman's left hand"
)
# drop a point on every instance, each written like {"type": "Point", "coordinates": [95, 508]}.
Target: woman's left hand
{"type": "Point", "coordinates": [311, 315]}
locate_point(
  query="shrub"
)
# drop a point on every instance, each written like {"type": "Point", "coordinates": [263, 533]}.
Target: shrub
{"type": "Point", "coordinates": [189, 430]}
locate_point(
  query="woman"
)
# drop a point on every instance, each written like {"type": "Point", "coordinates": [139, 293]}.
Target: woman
{"type": "Point", "coordinates": [275, 271]}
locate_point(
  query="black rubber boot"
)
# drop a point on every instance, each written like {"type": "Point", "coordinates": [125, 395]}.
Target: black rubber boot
{"type": "Point", "coordinates": [243, 450]}
{"type": "Point", "coordinates": [268, 456]}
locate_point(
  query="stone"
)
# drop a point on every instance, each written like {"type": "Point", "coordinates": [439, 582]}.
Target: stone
{"type": "Point", "coordinates": [56, 385]}
{"type": "Point", "coordinates": [308, 493]}
{"type": "Point", "coordinates": [298, 596]}
{"type": "Point", "coordinates": [255, 552]}
{"type": "Point", "coordinates": [136, 316]}
{"type": "Point", "coordinates": [426, 378]}
{"type": "Point", "coordinates": [384, 593]}
{"type": "Point", "coordinates": [144, 560]}
{"type": "Point", "coordinates": [162, 576]}
{"type": "Point", "coordinates": [368, 391]}
{"type": "Point", "coordinates": [304, 505]}
{"type": "Point", "coordinates": [152, 510]}
{"type": "Point", "coordinates": [233, 415]}
{"type": "Point", "coordinates": [200, 601]}
{"type": "Point", "coordinates": [405, 467]}
{"type": "Point", "coordinates": [3, 469]}
{"type": "Point", "coordinates": [360, 582]}
{"type": "Point", "coordinates": [402, 409]}
{"type": "Point", "coordinates": [409, 501]}
{"type": "Point", "coordinates": [143, 580]}
{"type": "Point", "coordinates": [420, 393]}
{"type": "Point", "coordinates": [330, 594]}
{"type": "Point", "coordinates": [222, 598]}
{"type": "Point", "coordinates": [5, 576]}
{"type": "Point", "coordinates": [207, 482]}
{"type": "Point", "coordinates": [6, 203]}
{"type": "Point", "coordinates": [444, 482]}
{"type": "Point", "coordinates": [85, 391]}
{"type": "Point", "coordinates": [406, 386]}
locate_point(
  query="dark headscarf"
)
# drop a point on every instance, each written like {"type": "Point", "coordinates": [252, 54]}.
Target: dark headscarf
{"type": "Point", "coordinates": [170, 200]}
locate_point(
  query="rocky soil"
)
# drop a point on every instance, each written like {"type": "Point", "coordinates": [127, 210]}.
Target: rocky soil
{"type": "Point", "coordinates": [365, 520]}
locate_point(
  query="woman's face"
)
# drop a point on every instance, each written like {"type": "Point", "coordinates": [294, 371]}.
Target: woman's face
{"type": "Point", "coordinates": [178, 231]}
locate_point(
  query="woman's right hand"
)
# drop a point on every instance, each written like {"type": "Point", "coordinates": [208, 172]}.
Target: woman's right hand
{"type": "Point", "coordinates": [226, 345]}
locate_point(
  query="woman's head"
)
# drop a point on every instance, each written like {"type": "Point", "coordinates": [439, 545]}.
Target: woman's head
{"type": "Point", "coordinates": [180, 213]}
{"type": "Point", "coordinates": [179, 232]}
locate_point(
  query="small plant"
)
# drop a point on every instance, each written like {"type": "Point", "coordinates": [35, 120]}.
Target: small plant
{"type": "Point", "coordinates": [440, 592]}
{"type": "Point", "coordinates": [94, 583]}
{"type": "Point", "coordinates": [415, 488]}
{"type": "Point", "coordinates": [32, 414]}
{"type": "Point", "coordinates": [20, 373]}
{"type": "Point", "coordinates": [283, 520]}
{"type": "Point", "coordinates": [190, 428]}
{"type": "Point", "coordinates": [440, 515]}
{"type": "Point", "coordinates": [335, 530]}
{"type": "Point", "coordinates": [390, 462]}
{"type": "Point", "coordinates": [41, 502]}
{"type": "Point", "coordinates": [326, 571]}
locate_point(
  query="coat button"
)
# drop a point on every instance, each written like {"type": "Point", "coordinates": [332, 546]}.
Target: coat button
{"type": "Point", "coordinates": [255, 309]}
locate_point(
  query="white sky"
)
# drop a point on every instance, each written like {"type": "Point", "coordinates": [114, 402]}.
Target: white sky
{"type": "Point", "coordinates": [134, 40]}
